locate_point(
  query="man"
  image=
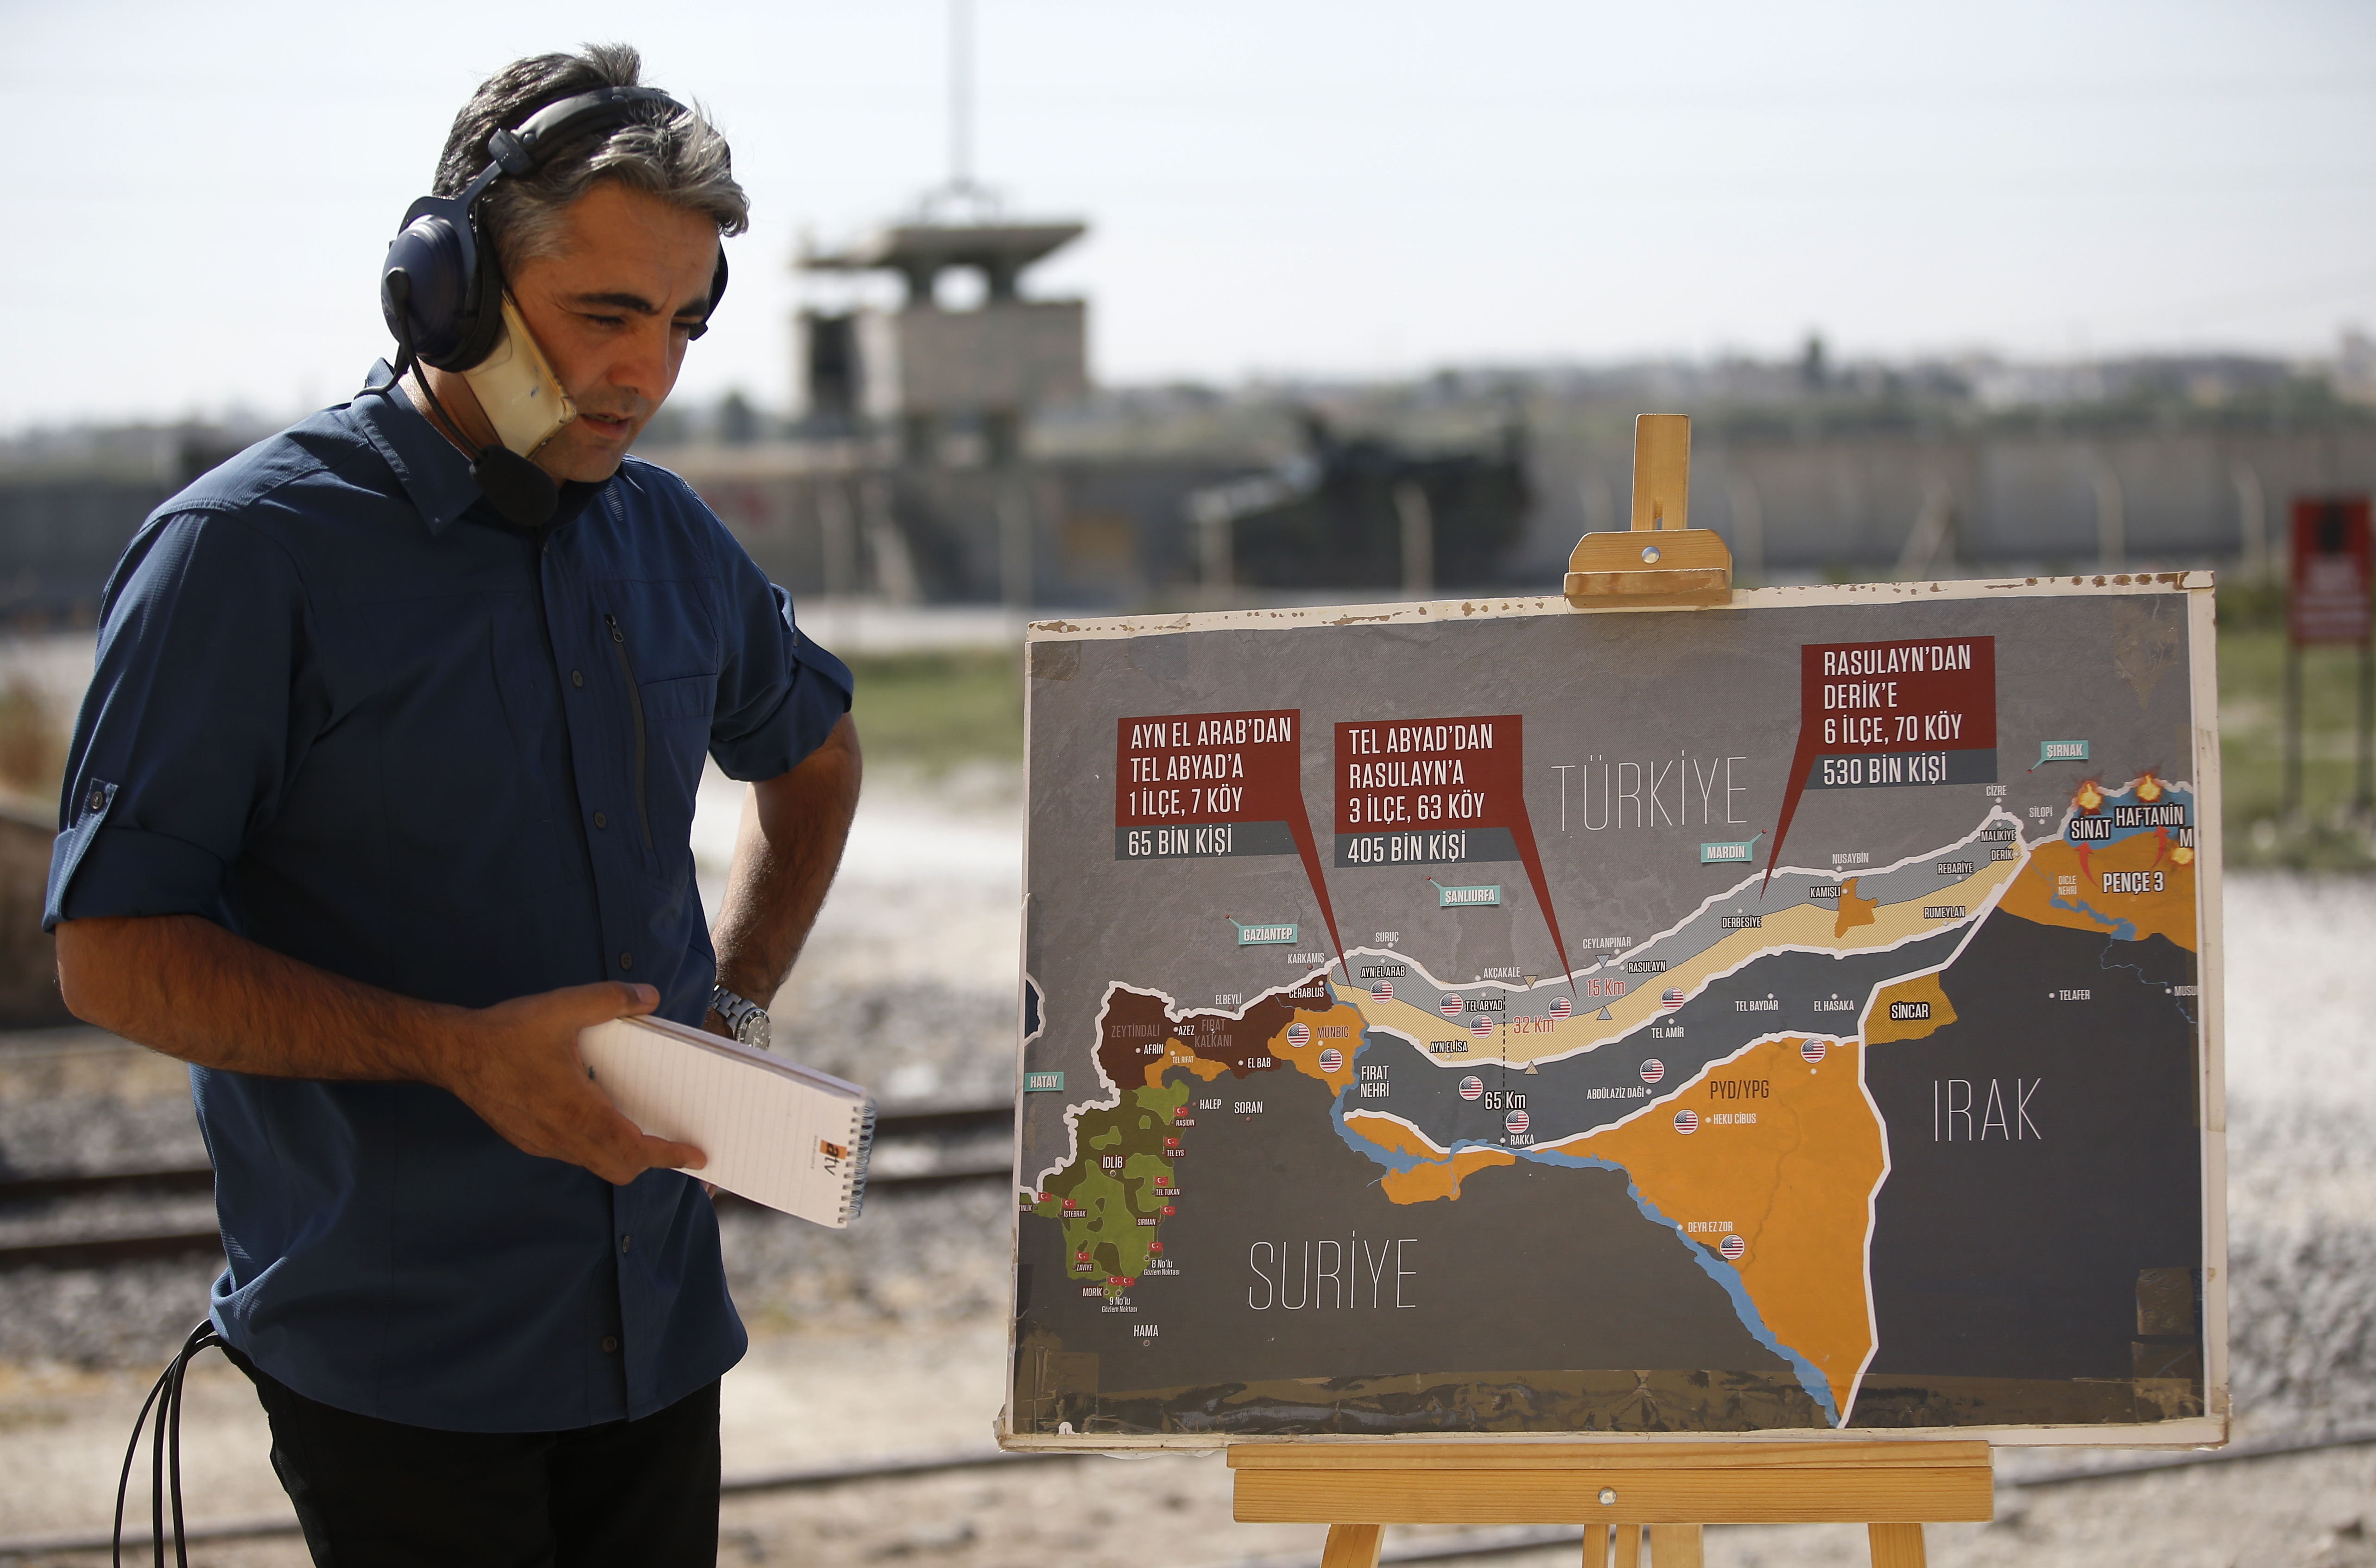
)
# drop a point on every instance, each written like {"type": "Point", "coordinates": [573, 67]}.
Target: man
{"type": "Point", "coordinates": [378, 798]}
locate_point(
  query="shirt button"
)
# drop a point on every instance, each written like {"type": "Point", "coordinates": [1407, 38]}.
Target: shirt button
{"type": "Point", "coordinates": [626, 1242]}
{"type": "Point", "coordinates": [609, 1343]}
{"type": "Point", "coordinates": [577, 677]}
{"type": "Point", "coordinates": [602, 821]}
{"type": "Point", "coordinates": [97, 796]}
{"type": "Point", "coordinates": [626, 960]}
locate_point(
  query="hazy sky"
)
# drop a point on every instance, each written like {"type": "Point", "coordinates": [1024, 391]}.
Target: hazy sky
{"type": "Point", "coordinates": [199, 196]}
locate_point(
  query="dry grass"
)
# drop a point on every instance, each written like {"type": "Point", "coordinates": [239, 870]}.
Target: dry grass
{"type": "Point", "coordinates": [32, 742]}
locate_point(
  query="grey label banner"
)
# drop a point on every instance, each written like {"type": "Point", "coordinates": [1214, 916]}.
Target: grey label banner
{"type": "Point", "coordinates": [1892, 770]}
{"type": "Point", "coordinates": [1202, 841]}
{"type": "Point", "coordinates": [1448, 847]}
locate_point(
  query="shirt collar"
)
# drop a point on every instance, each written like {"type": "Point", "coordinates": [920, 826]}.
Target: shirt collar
{"type": "Point", "coordinates": [435, 476]}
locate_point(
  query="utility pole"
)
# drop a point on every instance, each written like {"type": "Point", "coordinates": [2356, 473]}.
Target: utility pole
{"type": "Point", "coordinates": [1418, 539]}
{"type": "Point", "coordinates": [961, 97]}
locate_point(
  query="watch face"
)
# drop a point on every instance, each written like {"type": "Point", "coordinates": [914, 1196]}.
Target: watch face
{"type": "Point", "coordinates": [754, 1031]}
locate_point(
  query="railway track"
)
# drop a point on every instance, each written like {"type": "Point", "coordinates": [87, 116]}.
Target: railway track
{"type": "Point", "coordinates": [897, 1129]}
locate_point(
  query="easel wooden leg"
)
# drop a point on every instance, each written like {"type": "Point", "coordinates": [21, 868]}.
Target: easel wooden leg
{"type": "Point", "coordinates": [1596, 1546]}
{"type": "Point", "coordinates": [1896, 1546]}
{"type": "Point", "coordinates": [1629, 1546]}
{"type": "Point", "coordinates": [1675, 1546]}
{"type": "Point", "coordinates": [1352, 1546]}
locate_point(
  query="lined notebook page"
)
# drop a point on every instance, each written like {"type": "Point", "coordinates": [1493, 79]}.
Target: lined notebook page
{"type": "Point", "coordinates": [777, 1132]}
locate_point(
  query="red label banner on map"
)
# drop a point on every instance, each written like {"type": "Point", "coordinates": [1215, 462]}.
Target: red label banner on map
{"type": "Point", "coordinates": [1438, 792]}
{"type": "Point", "coordinates": [1891, 715]}
{"type": "Point", "coordinates": [1214, 786]}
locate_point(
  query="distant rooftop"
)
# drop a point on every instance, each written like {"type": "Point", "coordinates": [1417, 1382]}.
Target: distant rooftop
{"type": "Point", "coordinates": [919, 251]}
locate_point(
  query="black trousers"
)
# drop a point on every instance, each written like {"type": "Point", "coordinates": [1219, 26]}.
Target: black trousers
{"type": "Point", "coordinates": [378, 1494]}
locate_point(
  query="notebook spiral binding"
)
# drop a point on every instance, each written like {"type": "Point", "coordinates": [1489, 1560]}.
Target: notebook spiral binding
{"type": "Point", "coordinates": [863, 1144]}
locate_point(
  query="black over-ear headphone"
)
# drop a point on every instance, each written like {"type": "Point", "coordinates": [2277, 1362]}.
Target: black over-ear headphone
{"type": "Point", "coordinates": [441, 287]}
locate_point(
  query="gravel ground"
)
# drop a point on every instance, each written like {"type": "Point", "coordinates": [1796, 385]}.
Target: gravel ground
{"type": "Point", "coordinates": [887, 1338]}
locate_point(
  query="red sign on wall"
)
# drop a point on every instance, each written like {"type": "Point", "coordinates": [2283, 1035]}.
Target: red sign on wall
{"type": "Point", "coordinates": [2332, 570]}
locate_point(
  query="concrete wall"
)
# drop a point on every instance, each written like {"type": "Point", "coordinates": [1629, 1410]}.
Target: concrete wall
{"type": "Point", "coordinates": [1111, 534]}
{"type": "Point", "coordinates": [1848, 501]}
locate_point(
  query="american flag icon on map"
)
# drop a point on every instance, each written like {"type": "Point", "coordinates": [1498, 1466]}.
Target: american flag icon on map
{"type": "Point", "coordinates": [1671, 997]}
{"type": "Point", "coordinates": [1733, 1247]}
{"type": "Point", "coordinates": [1482, 1028]}
{"type": "Point", "coordinates": [1562, 1007]}
{"type": "Point", "coordinates": [1813, 1050]}
{"type": "Point", "coordinates": [1331, 1059]}
{"type": "Point", "coordinates": [1453, 1006]}
{"type": "Point", "coordinates": [1385, 991]}
{"type": "Point", "coordinates": [1299, 1034]}
{"type": "Point", "coordinates": [1687, 1121]}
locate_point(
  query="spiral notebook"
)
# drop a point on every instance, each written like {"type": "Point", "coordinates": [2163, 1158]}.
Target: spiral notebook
{"type": "Point", "coordinates": [777, 1132]}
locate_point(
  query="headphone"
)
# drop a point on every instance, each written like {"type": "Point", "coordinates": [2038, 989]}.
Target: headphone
{"type": "Point", "coordinates": [441, 287]}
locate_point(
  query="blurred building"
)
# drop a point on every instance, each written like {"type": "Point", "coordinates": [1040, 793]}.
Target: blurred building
{"type": "Point", "coordinates": [928, 372]}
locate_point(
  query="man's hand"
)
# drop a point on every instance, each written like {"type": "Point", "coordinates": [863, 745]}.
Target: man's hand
{"type": "Point", "coordinates": [517, 1065]}
{"type": "Point", "coordinates": [192, 990]}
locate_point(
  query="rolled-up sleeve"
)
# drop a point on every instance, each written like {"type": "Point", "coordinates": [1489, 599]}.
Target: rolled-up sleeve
{"type": "Point", "coordinates": [185, 741]}
{"type": "Point", "coordinates": [780, 694]}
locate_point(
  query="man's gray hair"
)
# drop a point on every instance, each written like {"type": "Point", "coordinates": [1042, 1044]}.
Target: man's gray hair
{"type": "Point", "coordinates": [676, 156]}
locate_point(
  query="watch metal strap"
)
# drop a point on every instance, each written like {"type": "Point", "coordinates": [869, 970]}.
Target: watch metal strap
{"type": "Point", "coordinates": [736, 1010]}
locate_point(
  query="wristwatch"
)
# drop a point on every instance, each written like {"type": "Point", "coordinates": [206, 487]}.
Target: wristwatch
{"type": "Point", "coordinates": [744, 1017]}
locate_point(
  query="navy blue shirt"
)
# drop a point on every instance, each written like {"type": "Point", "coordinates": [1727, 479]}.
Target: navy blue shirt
{"type": "Point", "coordinates": [346, 711]}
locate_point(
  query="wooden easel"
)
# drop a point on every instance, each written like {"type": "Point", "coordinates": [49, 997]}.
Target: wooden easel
{"type": "Point", "coordinates": [1621, 1490]}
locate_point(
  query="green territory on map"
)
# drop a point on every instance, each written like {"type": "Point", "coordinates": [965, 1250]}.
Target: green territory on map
{"type": "Point", "coordinates": [1792, 1067]}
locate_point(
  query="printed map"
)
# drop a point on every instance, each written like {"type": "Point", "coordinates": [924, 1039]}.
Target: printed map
{"type": "Point", "coordinates": [1788, 1017]}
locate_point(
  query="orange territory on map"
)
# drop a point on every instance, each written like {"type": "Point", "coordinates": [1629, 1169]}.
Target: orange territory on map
{"type": "Point", "coordinates": [1854, 912]}
{"type": "Point", "coordinates": [1439, 1173]}
{"type": "Point", "coordinates": [1176, 1054]}
{"type": "Point", "coordinates": [1339, 1028]}
{"type": "Point", "coordinates": [1796, 1185]}
{"type": "Point", "coordinates": [2169, 911]}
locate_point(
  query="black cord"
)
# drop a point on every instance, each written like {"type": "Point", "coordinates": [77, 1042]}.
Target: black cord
{"type": "Point", "coordinates": [399, 284]}
{"type": "Point", "coordinates": [520, 491]}
{"type": "Point", "coordinates": [165, 1399]}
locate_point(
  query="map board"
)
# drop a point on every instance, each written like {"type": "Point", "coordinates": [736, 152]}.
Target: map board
{"type": "Point", "coordinates": [1801, 1015]}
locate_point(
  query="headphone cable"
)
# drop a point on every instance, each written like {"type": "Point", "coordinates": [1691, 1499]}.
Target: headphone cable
{"type": "Point", "coordinates": [165, 1440]}
{"type": "Point", "coordinates": [524, 494]}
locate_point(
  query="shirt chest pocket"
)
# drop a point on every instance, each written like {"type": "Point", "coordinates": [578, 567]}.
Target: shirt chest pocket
{"type": "Point", "coordinates": [688, 696]}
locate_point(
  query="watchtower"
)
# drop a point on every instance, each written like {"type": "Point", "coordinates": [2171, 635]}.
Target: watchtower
{"type": "Point", "coordinates": [923, 368]}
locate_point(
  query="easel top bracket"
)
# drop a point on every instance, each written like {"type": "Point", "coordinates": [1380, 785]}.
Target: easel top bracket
{"type": "Point", "coordinates": [1660, 559]}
